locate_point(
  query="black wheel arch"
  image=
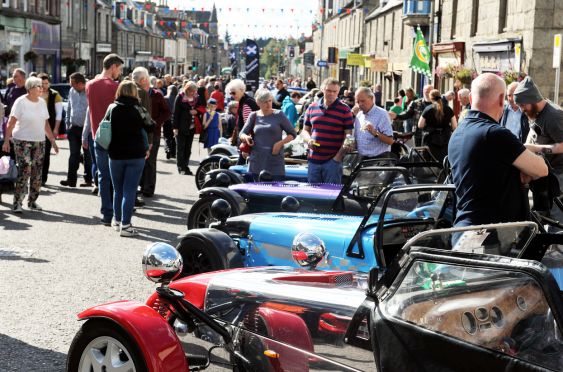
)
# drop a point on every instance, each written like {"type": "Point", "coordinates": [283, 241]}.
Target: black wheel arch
{"type": "Point", "coordinates": [228, 251]}
{"type": "Point", "coordinates": [235, 200]}
{"type": "Point", "coordinates": [235, 177]}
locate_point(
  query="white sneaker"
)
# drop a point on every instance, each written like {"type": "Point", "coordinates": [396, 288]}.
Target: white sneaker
{"type": "Point", "coordinates": [116, 225]}
{"type": "Point", "coordinates": [18, 208]}
{"type": "Point", "coordinates": [34, 206]}
{"type": "Point", "coordinates": [128, 230]}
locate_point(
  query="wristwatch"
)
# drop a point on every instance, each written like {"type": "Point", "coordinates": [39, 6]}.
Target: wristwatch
{"type": "Point", "coordinates": [376, 133]}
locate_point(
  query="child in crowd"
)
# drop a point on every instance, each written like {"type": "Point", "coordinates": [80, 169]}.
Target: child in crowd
{"type": "Point", "coordinates": [212, 125]}
{"type": "Point", "coordinates": [397, 109]}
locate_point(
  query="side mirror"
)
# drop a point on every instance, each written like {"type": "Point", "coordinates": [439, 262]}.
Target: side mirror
{"type": "Point", "coordinates": [221, 210]}
{"type": "Point", "coordinates": [290, 204]}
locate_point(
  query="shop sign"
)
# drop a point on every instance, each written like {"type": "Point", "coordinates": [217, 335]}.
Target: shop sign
{"type": "Point", "coordinates": [367, 61]}
{"type": "Point", "coordinates": [322, 64]}
{"type": "Point", "coordinates": [68, 53]}
{"type": "Point", "coordinates": [181, 60]}
{"type": "Point", "coordinates": [45, 36]}
{"type": "Point", "coordinates": [449, 58]}
{"type": "Point", "coordinates": [103, 48]}
{"type": "Point", "coordinates": [141, 58]}
{"type": "Point", "coordinates": [343, 53]}
{"type": "Point", "coordinates": [309, 45]}
{"type": "Point", "coordinates": [158, 62]}
{"type": "Point", "coordinates": [16, 38]}
{"type": "Point", "coordinates": [332, 55]}
{"type": "Point", "coordinates": [379, 64]}
{"type": "Point", "coordinates": [496, 61]}
{"type": "Point", "coordinates": [354, 59]}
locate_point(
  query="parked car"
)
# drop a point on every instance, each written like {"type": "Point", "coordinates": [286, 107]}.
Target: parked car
{"type": "Point", "coordinates": [264, 239]}
{"type": "Point", "coordinates": [364, 183]}
{"type": "Point", "coordinates": [443, 304]}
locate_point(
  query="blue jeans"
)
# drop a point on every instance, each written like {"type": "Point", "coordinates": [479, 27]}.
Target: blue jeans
{"type": "Point", "coordinates": [328, 172]}
{"type": "Point", "coordinates": [279, 178]}
{"type": "Point", "coordinates": [93, 155]}
{"type": "Point", "coordinates": [104, 181]}
{"type": "Point", "coordinates": [125, 175]}
{"type": "Point", "coordinates": [408, 126]}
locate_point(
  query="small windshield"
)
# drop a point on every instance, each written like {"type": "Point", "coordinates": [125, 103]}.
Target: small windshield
{"type": "Point", "coordinates": [425, 175]}
{"type": "Point", "coordinates": [507, 240]}
{"type": "Point", "coordinates": [369, 183]}
{"type": "Point", "coordinates": [416, 204]}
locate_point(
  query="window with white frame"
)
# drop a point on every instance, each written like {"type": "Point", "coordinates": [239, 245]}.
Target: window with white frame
{"type": "Point", "coordinates": [5, 3]}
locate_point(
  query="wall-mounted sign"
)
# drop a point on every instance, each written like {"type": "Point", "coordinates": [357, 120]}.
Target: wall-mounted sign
{"type": "Point", "coordinates": [354, 59]}
{"type": "Point", "coordinates": [379, 64]}
{"type": "Point", "coordinates": [309, 59]}
{"type": "Point", "coordinates": [332, 56]}
{"type": "Point", "coordinates": [103, 48]}
{"type": "Point", "coordinates": [343, 53]}
{"type": "Point", "coordinates": [322, 64]}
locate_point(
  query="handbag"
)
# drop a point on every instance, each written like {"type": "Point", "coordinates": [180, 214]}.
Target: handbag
{"type": "Point", "coordinates": [245, 147]}
{"type": "Point", "coordinates": [438, 137]}
{"type": "Point", "coordinates": [203, 136]}
{"type": "Point", "coordinates": [11, 170]}
{"type": "Point", "coordinates": [103, 134]}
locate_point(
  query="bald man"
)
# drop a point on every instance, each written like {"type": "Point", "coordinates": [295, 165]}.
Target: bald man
{"type": "Point", "coordinates": [489, 163]}
{"type": "Point", "coordinates": [414, 111]}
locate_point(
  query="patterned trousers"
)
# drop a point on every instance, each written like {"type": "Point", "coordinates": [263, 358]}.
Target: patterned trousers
{"type": "Point", "coordinates": [29, 160]}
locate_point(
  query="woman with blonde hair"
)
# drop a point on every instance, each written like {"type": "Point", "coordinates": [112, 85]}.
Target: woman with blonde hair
{"type": "Point", "coordinates": [127, 153]}
{"type": "Point", "coordinates": [437, 122]}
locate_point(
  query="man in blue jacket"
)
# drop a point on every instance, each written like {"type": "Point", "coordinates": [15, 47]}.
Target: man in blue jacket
{"type": "Point", "coordinates": [513, 118]}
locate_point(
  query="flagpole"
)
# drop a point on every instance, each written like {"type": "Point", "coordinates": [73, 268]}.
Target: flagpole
{"type": "Point", "coordinates": [431, 38]}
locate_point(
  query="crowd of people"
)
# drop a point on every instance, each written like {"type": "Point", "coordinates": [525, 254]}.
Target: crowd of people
{"type": "Point", "coordinates": [333, 120]}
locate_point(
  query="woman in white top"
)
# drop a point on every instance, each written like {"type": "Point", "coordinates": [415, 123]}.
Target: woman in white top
{"type": "Point", "coordinates": [29, 124]}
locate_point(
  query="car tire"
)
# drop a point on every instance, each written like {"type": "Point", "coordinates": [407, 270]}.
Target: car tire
{"type": "Point", "coordinates": [96, 335]}
{"type": "Point", "coordinates": [199, 216]}
{"type": "Point", "coordinates": [204, 167]}
{"type": "Point", "coordinates": [198, 256]}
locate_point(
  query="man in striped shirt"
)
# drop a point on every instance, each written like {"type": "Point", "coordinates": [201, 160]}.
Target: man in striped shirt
{"type": "Point", "coordinates": [327, 122]}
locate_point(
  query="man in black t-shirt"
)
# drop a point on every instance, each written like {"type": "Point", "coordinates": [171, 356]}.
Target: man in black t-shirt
{"type": "Point", "coordinates": [546, 121]}
{"type": "Point", "coordinates": [489, 164]}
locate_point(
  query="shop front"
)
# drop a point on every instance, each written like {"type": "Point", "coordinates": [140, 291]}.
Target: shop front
{"type": "Point", "coordinates": [15, 35]}
{"type": "Point", "coordinates": [46, 41]}
{"type": "Point", "coordinates": [142, 58]}
{"type": "Point", "coordinates": [497, 55]}
{"type": "Point", "coordinates": [102, 50]}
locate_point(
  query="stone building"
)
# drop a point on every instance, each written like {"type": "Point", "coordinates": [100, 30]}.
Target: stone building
{"type": "Point", "coordinates": [31, 25]}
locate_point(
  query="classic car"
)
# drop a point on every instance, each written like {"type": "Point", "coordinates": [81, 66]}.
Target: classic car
{"type": "Point", "coordinates": [461, 299]}
{"type": "Point", "coordinates": [367, 179]}
{"type": "Point", "coordinates": [357, 233]}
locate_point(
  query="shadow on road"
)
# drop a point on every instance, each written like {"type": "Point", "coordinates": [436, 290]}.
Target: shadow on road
{"type": "Point", "coordinates": [18, 223]}
{"type": "Point", "coordinates": [16, 355]}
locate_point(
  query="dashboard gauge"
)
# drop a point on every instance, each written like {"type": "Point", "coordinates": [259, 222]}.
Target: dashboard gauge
{"type": "Point", "coordinates": [497, 318]}
{"type": "Point", "coordinates": [469, 323]}
{"type": "Point", "coordinates": [481, 314]}
{"type": "Point", "coordinates": [522, 305]}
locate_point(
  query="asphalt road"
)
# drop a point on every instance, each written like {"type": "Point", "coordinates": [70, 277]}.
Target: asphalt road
{"type": "Point", "coordinates": [58, 262]}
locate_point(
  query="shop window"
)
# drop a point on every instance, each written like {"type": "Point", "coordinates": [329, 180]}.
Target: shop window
{"type": "Point", "coordinates": [475, 18]}
{"type": "Point", "coordinates": [454, 20]}
{"type": "Point", "coordinates": [503, 16]}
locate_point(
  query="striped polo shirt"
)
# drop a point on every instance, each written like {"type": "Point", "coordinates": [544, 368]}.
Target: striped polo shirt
{"type": "Point", "coordinates": [327, 128]}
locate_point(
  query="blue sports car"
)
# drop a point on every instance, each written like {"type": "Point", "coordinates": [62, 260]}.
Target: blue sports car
{"type": "Point", "coordinates": [352, 242]}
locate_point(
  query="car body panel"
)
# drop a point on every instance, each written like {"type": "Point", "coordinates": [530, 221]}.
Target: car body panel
{"type": "Point", "coordinates": [156, 339]}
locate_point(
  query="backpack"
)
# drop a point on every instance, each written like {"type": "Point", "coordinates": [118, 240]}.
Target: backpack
{"type": "Point", "coordinates": [103, 134]}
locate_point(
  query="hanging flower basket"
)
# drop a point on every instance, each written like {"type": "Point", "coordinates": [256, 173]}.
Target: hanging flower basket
{"type": "Point", "coordinates": [31, 56]}
{"type": "Point", "coordinates": [8, 56]}
{"type": "Point", "coordinates": [511, 76]}
{"type": "Point", "coordinates": [365, 83]}
{"type": "Point", "coordinates": [444, 72]}
{"type": "Point", "coordinates": [463, 75]}
{"type": "Point", "coordinates": [67, 62]}
{"type": "Point", "coordinates": [79, 62]}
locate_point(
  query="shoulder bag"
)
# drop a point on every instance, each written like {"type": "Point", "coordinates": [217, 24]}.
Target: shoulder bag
{"type": "Point", "coordinates": [103, 134]}
{"type": "Point", "coordinates": [203, 136]}
{"type": "Point", "coordinates": [245, 147]}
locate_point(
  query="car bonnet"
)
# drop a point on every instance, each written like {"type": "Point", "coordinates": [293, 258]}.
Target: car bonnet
{"type": "Point", "coordinates": [296, 189]}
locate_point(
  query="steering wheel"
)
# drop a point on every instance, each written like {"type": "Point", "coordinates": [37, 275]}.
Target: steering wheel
{"type": "Point", "coordinates": [442, 223]}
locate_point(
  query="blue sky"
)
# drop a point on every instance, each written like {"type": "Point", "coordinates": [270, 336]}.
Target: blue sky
{"type": "Point", "coordinates": [239, 19]}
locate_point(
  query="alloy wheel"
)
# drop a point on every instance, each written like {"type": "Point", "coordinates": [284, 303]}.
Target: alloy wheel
{"type": "Point", "coordinates": [203, 217]}
{"type": "Point", "coordinates": [106, 354]}
{"type": "Point", "coordinates": [196, 262]}
{"type": "Point", "coordinates": [208, 167]}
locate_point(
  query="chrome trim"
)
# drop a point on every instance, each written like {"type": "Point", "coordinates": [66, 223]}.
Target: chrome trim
{"type": "Point", "coordinates": [522, 306]}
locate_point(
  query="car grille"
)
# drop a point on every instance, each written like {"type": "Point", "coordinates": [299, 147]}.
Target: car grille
{"type": "Point", "coordinates": [342, 280]}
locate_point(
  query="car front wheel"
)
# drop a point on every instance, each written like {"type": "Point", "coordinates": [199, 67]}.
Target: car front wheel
{"type": "Point", "coordinates": [199, 257]}
{"type": "Point", "coordinates": [200, 213]}
{"type": "Point", "coordinates": [101, 346]}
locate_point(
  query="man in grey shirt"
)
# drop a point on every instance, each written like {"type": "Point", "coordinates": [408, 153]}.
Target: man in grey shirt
{"type": "Point", "coordinates": [76, 116]}
{"type": "Point", "coordinates": [546, 120]}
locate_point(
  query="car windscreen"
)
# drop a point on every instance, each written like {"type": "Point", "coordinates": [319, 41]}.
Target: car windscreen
{"type": "Point", "coordinates": [507, 240]}
{"type": "Point", "coordinates": [415, 205]}
{"type": "Point", "coordinates": [369, 183]}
